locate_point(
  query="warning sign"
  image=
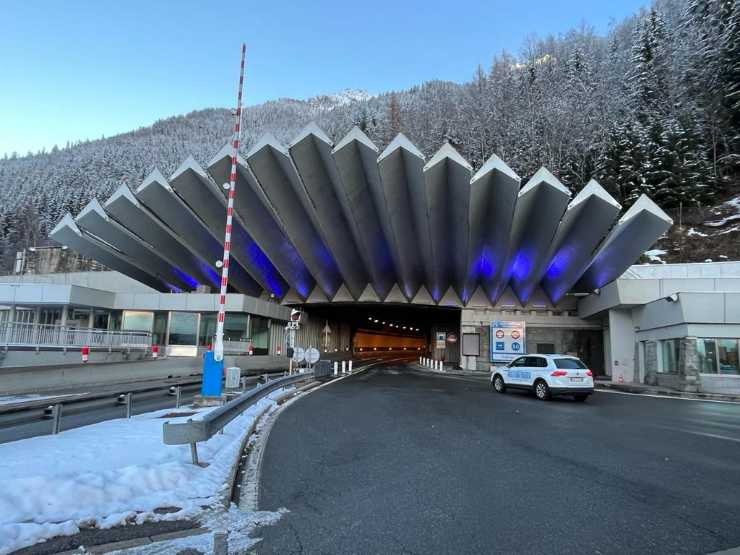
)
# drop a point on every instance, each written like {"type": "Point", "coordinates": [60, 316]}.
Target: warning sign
{"type": "Point", "coordinates": [510, 341]}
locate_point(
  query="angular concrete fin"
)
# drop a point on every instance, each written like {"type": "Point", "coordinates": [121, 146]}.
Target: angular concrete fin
{"type": "Point", "coordinates": [317, 296]}
{"type": "Point", "coordinates": [267, 140]}
{"type": "Point", "coordinates": [369, 295]}
{"type": "Point", "coordinates": [400, 141]}
{"type": "Point", "coordinates": [92, 206]}
{"type": "Point", "coordinates": [508, 299]}
{"type": "Point", "coordinates": [154, 178]}
{"type": "Point", "coordinates": [543, 175]}
{"type": "Point", "coordinates": [593, 188]}
{"type": "Point", "coordinates": [479, 299]}
{"type": "Point", "coordinates": [395, 295]}
{"type": "Point", "coordinates": [66, 221]}
{"type": "Point", "coordinates": [450, 298]}
{"type": "Point", "coordinates": [343, 295]}
{"type": "Point", "coordinates": [122, 191]}
{"type": "Point", "coordinates": [423, 297]}
{"type": "Point", "coordinates": [644, 203]}
{"type": "Point", "coordinates": [448, 151]}
{"type": "Point", "coordinates": [355, 134]}
{"type": "Point", "coordinates": [311, 129]}
{"type": "Point", "coordinates": [292, 297]}
{"type": "Point", "coordinates": [190, 163]}
{"type": "Point", "coordinates": [224, 152]}
{"type": "Point", "coordinates": [495, 163]}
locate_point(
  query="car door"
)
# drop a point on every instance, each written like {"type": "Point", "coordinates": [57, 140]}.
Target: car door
{"type": "Point", "coordinates": [518, 372]}
{"type": "Point", "coordinates": [538, 367]}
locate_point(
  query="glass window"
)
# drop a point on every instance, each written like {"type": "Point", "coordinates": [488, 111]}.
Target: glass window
{"type": "Point", "coordinates": [235, 326]}
{"type": "Point", "coordinates": [207, 329]}
{"type": "Point", "coordinates": [670, 356]}
{"type": "Point", "coordinates": [100, 320]}
{"type": "Point", "coordinates": [569, 364]}
{"type": "Point", "coordinates": [706, 350]}
{"type": "Point", "coordinates": [159, 329]}
{"type": "Point", "coordinates": [728, 361]}
{"type": "Point", "coordinates": [183, 328]}
{"type": "Point", "coordinates": [260, 335]}
{"type": "Point", "coordinates": [521, 361]}
{"type": "Point", "coordinates": [136, 320]}
{"type": "Point", "coordinates": [536, 362]}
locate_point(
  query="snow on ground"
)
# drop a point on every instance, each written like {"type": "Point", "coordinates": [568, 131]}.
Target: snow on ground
{"type": "Point", "coordinates": [655, 255]}
{"type": "Point", "coordinates": [112, 473]}
{"type": "Point", "coordinates": [731, 210]}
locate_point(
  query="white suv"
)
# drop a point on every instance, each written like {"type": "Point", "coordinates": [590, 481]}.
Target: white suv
{"type": "Point", "coordinates": [545, 375]}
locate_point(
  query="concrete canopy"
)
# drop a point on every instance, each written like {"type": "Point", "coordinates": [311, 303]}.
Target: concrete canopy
{"type": "Point", "coordinates": [320, 222]}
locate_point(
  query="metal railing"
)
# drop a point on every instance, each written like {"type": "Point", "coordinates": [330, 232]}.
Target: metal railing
{"type": "Point", "coordinates": [19, 334]}
{"type": "Point", "coordinates": [193, 431]}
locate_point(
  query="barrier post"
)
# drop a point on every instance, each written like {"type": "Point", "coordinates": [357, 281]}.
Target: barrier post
{"type": "Point", "coordinates": [177, 397]}
{"type": "Point", "coordinates": [350, 366]}
{"type": "Point", "coordinates": [344, 367]}
{"type": "Point", "coordinates": [128, 405]}
{"type": "Point", "coordinates": [56, 426]}
{"type": "Point", "coordinates": [336, 368]}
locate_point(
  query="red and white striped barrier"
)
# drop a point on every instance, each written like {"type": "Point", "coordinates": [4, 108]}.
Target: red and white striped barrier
{"type": "Point", "coordinates": [85, 352]}
{"type": "Point", "coordinates": [155, 351]}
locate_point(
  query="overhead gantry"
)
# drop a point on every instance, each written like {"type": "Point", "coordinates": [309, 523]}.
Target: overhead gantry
{"type": "Point", "coordinates": [316, 221]}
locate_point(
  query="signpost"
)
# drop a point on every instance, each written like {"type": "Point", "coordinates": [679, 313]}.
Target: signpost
{"type": "Point", "coordinates": [508, 340]}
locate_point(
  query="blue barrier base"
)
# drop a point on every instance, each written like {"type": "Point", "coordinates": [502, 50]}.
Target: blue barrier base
{"type": "Point", "coordinates": [213, 373]}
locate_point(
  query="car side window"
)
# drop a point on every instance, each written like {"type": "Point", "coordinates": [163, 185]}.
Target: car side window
{"type": "Point", "coordinates": [540, 362]}
{"type": "Point", "coordinates": [521, 361]}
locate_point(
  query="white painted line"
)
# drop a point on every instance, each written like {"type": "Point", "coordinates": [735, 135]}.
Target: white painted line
{"type": "Point", "coordinates": [666, 397]}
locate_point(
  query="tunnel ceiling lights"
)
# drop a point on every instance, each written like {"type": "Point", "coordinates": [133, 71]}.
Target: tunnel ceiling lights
{"type": "Point", "coordinates": [322, 222]}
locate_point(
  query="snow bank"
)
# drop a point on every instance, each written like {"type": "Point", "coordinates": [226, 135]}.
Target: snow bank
{"type": "Point", "coordinates": [110, 473]}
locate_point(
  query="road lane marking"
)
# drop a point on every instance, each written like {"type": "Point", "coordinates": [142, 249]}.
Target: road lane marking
{"type": "Point", "coordinates": [665, 397]}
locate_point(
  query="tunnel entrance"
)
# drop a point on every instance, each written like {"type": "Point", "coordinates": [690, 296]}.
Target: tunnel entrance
{"type": "Point", "coordinates": [397, 330]}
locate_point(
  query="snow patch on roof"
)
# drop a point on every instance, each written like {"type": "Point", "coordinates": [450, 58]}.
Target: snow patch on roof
{"type": "Point", "coordinates": [355, 134]}
{"type": "Point", "coordinates": [645, 204]}
{"type": "Point", "coordinates": [447, 151]}
{"type": "Point", "coordinates": [92, 206]}
{"type": "Point", "coordinates": [190, 163]}
{"type": "Point", "coordinates": [311, 129]}
{"type": "Point", "coordinates": [401, 141]}
{"type": "Point", "coordinates": [543, 175]}
{"type": "Point", "coordinates": [593, 188]}
{"type": "Point", "coordinates": [66, 221]}
{"type": "Point", "coordinates": [122, 191]}
{"type": "Point", "coordinates": [495, 163]}
{"type": "Point", "coordinates": [155, 177]}
{"type": "Point", "coordinates": [225, 152]}
{"type": "Point", "coordinates": [267, 140]}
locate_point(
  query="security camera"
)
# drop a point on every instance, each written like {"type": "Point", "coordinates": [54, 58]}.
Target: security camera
{"type": "Point", "coordinates": [672, 298]}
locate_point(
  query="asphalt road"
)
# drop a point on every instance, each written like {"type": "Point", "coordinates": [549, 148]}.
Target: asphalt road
{"type": "Point", "coordinates": [397, 462]}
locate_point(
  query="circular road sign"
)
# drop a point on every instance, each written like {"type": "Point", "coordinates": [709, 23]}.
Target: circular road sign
{"type": "Point", "coordinates": [312, 355]}
{"type": "Point", "coordinates": [451, 338]}
{"type": "Point", "coordinates": [515, 334]}
{"type": "Point", "coordinates": [499, 333]}
{"type": "Point", "coordinates": [299, 354]}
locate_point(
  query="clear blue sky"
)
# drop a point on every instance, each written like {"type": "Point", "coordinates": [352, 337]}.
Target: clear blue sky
{"type": "Point", "coordinates": [77, 69]}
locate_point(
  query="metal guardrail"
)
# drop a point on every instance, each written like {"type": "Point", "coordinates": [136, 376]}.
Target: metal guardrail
{"type": "Point", "coordinates": [21, 334]}
{"type": "Point", "coordinates": [193, 431]}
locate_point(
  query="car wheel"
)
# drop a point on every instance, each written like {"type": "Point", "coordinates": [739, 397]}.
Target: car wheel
{"type": "Point", "coordinates": [541, 390]}
{"type": "Point", "coordinates": [498, 384]}
{"type": "Point", "coordinates": [580, 397]}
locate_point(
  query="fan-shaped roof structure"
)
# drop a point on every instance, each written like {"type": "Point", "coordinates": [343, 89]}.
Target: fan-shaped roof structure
{"type": "Point", "coordinates": [319, 222]}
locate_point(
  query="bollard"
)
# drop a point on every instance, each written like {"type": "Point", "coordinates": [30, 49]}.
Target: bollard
{"type": "Point", "coordinates": [344, 367]}
{"type": "Point", "coordinates": [177, 397]}
{"type": "Point", "coordinates": [336, 368]}
{"type": "Point", "coordinates": [128, 405]}
{"type": "Point", "coordinates": [419, 360]}
{"type": "Point", "coordinates": [220, 543]}
{"type": "Point", "coordinates": [350, 366]}
{"type": "Point", "coordinates": [56, 425]}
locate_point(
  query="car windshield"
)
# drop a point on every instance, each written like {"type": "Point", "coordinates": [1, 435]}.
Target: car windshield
{"type": "Point", "coordinates": [569, 363]}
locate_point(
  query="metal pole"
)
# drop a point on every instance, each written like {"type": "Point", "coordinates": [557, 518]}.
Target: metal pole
{"type": "Point", "coordinates": [177, 397]}
{"type": "Point", "coordinates": [128, 405]}
{"type": "Point", "coordinates": [194, 454]}
{"type": "Point", "coordinates": [218, 348]}
{"type": "Point", "coordinates": [57, 423]}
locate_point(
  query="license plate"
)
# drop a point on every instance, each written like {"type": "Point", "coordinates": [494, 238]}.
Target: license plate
{"type": "Point", "coordinates": [576, 379]}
